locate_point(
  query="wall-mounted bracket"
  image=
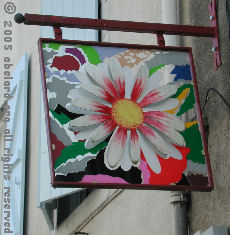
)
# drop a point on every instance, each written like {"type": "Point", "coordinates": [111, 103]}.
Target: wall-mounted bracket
{"type": "Point", "coordinates": [160, 39]}
{"type": "Point", "coordinates": [215, 39]}
{"type": "Point", "coordinates": [128, 26]}
{"type": "Point", "coordinates": [57, 32]}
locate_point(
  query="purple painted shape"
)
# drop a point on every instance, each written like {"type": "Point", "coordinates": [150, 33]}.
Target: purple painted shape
{"type": "Point", "coordinates": [107, 52]}
{"type": "Point", "coordinates": [145, 172]}
{"type": "Point", "coordinates": [102, 179]}
{"type": "Point", "coordinates": [70, 77]}
{"type": "Point", "coordinates": [77, 53]}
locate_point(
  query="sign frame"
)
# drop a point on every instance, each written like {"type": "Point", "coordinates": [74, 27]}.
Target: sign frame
{"type": "Point", "coordinates": [56, 183]}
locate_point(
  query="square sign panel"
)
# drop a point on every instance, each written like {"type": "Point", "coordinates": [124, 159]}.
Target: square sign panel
{"type": "Point", "coordinates": [123, 116]}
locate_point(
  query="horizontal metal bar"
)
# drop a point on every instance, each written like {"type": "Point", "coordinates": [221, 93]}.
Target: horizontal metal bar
{"type": "Point", "coordinates": [113, 25]}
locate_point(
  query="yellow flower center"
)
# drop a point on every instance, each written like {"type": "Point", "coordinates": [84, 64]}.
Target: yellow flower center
{"type": "Point", "coordinates": [127, 113]}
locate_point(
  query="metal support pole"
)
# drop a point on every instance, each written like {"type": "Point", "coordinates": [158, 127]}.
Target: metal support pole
{"type": "Point", "coordinates": [169, 16]}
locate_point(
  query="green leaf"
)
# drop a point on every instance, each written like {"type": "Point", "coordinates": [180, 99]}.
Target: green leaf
{"type": "Point", "coordinates": [55, 46]}
{"type": "Point", "coordinates": [43, 45]}
{"type": "Point", "coordinates": [189, 101]}
{"type": "Point", "coordinates": [62, 118]}
{"type": "Point", "coordinates": [154, 69]}
{"type": "Point", "coordinates": [76, 149]}
{"type": "Point", "coordinates": [91, 54]}
{"type": "Point", "coordinates": [193, 141]}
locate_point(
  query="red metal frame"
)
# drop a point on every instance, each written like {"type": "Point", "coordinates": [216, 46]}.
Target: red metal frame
{"type": "Point", "coordinates": [57, 32]}
{"type": "Point", "coordinates": [160, 40]}
{"type": "Point", "coordinates": [126, 186]}
{"type": "Point", "coordinates": [138, 27]}
{"type": "Point", "coordinates": [215, 39]}
{"type": "Point", "coordinates": [115, 25]}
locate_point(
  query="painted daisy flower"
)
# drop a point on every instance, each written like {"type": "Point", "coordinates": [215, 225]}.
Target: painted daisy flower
{"type": "Point", "coordinates": [132, 108]}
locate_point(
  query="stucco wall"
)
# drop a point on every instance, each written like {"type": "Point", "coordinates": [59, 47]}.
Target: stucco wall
{"type": "Point", "coordinates": [131, 10]}
{"type": "Point", "coordinates": [136, 212]}
{"type": "Point", "coordinates": [212, 208]}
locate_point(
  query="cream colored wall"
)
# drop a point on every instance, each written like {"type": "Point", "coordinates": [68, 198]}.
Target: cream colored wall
{"type": "Point", "coordinates": [131, 10]}
{"type": "Point", "coordinates": [121, 212]}
{"type": "Point", "coordinates": [25, 40]}
{"type": "Point", "coordinates": [211, 208]}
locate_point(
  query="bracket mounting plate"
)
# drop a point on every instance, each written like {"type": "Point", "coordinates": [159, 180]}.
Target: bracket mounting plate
{"type": "Point", "coordinates": [215, 40]}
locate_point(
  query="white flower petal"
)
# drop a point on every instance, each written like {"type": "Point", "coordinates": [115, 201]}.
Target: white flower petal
{"type": "Point", "coordinates": [143, 72]}
{"type": "Point", "coordinates": [99, 134]}
{"type": "Point", "coordinates": [82, 77]}
{"type": "Point", "coordinates": [165, 105]}
{"type": "Point", "coordinates": [76, 110]}
{"type": "Point", "coordinates": [117, 76]}
{"type": "Point", "coordinates": [91, 105]}
{"type": "Point", "coordinates": [134, 148]}
{"type": "Point", "coordinates": [161, 143]}
{"type": "Point", "coordinates": [172, 151]}
{"type": "Point", "coordinates": [97, 91]}
{"type": "Point", "coordinates": [88, 120]}
{"type": "Point", "coordinates": [126, 163]}
{"type": "Point", "coordinates": [158, 94]}
{"type": "Point", "coordinates": [95, 73]}
{"type": "Point", "coordinates": [115, 69]}
{"type": "Point", "coordinates": [84, 134]}
{"type": "Point", "coordinates": [129, 81]}
{"type": "Point", "coordinates": [101, 79]}
{"type": "Point", "coordinates": [166, 74]}
{"type": "Point", "coordinates": [85, 95]}
{"type": "Point", "coordinates": [169, 119]}
{"type": "Point", "coordinates": [149, 154]}
{"type": "Point", "coordinates": [155, 79]}
{"type": "Point", "coordinates": [151, 84]}
{"type": "Point", "coordinates": [174, 136]}
{"type": "Point", "coordinates": [114, 150]}
{"type": "Point", "coordinates": [141, 78]}
{"type": "Point", "coordinates": [154, 138]}
{"type": "Point", "coordinates": [103, 67]}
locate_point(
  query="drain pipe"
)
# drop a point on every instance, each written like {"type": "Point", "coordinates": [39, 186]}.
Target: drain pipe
{"type": "Point", "coordinates": [179, 213]}
{"type": "Point", "coordinates": [178, 199]}
{"type": "Point", "coordinates": [169, 16]}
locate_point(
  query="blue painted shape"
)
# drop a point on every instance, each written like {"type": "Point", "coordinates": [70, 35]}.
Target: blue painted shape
{"type": "Point", "coordinates": [105, 52]}
{"type": "Point", "coordinates": [69, 77]}
{"type": "Point", "coordinates": [182, 72]}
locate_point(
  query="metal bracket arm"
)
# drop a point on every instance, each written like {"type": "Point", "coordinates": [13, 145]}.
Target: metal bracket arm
{"type": "Point", "coordinates": [160, 39]}
{"type": "Point", "coordinates": [128, 26]}
{"type": "Point", "coordinates": [57, 32]}
{"type": "Point", "coordinates": [114, 25]}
